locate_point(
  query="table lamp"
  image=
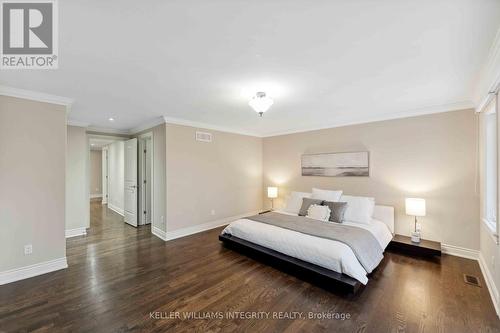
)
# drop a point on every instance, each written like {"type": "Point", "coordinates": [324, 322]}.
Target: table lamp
{"type": "Point", "coordinates": [415, 207]}
{"type": "Point", "coordinates": [272, 193]}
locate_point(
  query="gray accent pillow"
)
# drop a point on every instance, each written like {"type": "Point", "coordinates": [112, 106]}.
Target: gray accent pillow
{"type": "Point", "coordinates": [306, 202]}
{"type": "Point", "coordinates": [338, 210]}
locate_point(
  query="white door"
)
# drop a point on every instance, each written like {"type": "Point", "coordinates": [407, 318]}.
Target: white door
{"type": "Point", "coordinates": [131, 182]}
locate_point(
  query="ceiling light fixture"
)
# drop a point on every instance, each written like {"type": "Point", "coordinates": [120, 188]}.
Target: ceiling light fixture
{"type": "Point", "coordinates": [111, 119]}
{"type": "Point", "coordinates": [260, 103]}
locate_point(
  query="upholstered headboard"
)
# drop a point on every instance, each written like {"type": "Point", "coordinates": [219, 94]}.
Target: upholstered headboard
{"type": "Point", "coordinates": [386, 215]}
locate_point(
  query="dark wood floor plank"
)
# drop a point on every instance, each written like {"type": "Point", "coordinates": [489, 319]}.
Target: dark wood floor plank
{"type": "Point", "coordinates": [118, 274]}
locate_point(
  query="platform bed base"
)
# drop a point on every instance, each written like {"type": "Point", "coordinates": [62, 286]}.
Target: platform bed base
{"type": "Point", "coordinates": [328, 279]}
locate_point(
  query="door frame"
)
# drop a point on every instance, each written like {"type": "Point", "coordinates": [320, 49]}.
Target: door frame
{"type": "Point", "coordinates": [112, 138]}
{"type": "Point", "coordinates": [105, 174]}
{"type": "Point", "coordinates": [141, 138]}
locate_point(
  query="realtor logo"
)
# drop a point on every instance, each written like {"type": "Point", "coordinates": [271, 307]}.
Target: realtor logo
{"type": "Point", "coordinates": [29, 35]}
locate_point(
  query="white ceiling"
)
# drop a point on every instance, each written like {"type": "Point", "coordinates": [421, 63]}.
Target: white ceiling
{"type": "Point", "coordinates": [323, 62]}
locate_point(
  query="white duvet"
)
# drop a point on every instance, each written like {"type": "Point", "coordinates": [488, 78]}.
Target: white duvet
{"type": "Point", "coordinates": [323, 252]}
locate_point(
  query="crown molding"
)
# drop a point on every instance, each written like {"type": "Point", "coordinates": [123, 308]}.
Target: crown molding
{"type": "Point", "coordinates": [494, 60]}
{"type": "Point", "coordinates": [456, 106]}
{"type": "Point", "coordinates": [107, 130]}
{"type": "Point", "coordinates": [387, 116]}
{"type": "Point", "coordinates": [77, 123]}
{"type": "Point", "coordinates": [489, 78]}
{"type": "Point", "coordinates": [132, 131]}
{"type": "Point", "coordinates": [114, 137]}
{"type": "Point", "coordinates": [185, 122]}
{"type": "Point", "coordinates": [36, 96]}
{"type": "Point", "coordinates": [147, 125]}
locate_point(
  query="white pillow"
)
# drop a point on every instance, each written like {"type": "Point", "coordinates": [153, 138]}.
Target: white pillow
{"type": "Point", "coordinates": [295, 202]}
{"type": "Point", "coordinates": [326, 195]}
{"type": "Point", "coordinates": [319, 212]}
{"type": "Point", "coordinates": [359, 209]}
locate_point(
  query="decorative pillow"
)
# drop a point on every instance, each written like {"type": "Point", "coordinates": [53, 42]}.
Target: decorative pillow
{"type": "Point", "coordinates": [295, 202]}
{"type": "Point", "coordinates": [318, 212]}
{"type": "Point", "coordinates": [359, 209]}
{"type": "Point", "coordinates": [306, 202]}
{"type": "Point", "coordinates": [338, 210]}
{"type": "Point", "coordinates": [326, 194]}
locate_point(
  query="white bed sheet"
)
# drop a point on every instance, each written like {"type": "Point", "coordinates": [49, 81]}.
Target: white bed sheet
{"type": "Point", "coordinates": [330, 254]}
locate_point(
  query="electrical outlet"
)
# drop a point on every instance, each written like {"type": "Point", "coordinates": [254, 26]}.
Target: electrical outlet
{"type": "Point", "coordinates": [212, 212]}
{"type": "Point", "coordinates": [28, 249]}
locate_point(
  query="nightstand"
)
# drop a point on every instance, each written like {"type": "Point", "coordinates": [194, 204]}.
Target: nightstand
{"type": "Point", "coordinates": [425, 248]}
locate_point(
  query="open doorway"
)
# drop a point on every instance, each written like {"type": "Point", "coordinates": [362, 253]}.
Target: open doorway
{"type": "Point", "coordinates": [96, 175]}
{"type": "Point", "coordinates": [106, 181]}
{"type": "Point", "coordinates": [121, 179]}
{"type": "Point", "coordinates": [106, 170]}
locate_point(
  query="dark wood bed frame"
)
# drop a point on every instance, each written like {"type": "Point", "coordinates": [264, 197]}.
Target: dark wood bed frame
{"type": "Point", "coordinates": [298, 267]}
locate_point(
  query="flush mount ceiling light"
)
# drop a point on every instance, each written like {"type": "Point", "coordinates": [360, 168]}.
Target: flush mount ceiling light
{"type": "Point", "coordinates": [260, 103]}
{"type": "Point", "coordinates": [111, 119]}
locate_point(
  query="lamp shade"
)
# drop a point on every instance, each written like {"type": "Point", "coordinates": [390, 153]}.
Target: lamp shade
{"type": "Point", "coordinates": [261, 103]}
{"type": "Point", "coordinates": [272, 192]}
{"type": "Point", "coordinates": [415, 206]}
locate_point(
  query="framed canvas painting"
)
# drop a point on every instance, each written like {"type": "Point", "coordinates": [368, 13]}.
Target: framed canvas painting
{"type": "Point", "coordinates": [352, 164]}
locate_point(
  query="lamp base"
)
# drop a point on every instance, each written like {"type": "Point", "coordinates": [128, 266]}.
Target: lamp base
{"type": "Point", "coordinates": [415, 237]}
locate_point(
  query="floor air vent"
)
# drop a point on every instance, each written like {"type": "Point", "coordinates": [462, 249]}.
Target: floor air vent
{"type": "Point", "coordinates": [470, 279]}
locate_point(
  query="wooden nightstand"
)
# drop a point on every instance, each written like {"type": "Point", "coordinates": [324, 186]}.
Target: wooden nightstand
{"type": "Point", "coordinates": [425, 248]}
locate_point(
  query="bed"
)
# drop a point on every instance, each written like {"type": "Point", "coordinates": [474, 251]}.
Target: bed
{"type": "Point", "coordinates": [332, 259]}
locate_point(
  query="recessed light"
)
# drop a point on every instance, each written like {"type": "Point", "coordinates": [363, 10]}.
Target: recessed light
{"type": "Point", "coordinates": [111, 119]}
{"type": "Point", "coordinates": [92, 144]}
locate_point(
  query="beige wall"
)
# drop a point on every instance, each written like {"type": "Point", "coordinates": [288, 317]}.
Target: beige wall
{"type": "Point", "coordinates": [224, 176]}
{"type": "Point", "coordinates": [431, 156]}
{"type": "Point", "coordinates": [95, 172]}
{"type": "Point", "coordinates": [159, 177]}
{"type": "Point", "coordinates": [32, 178]}
{"type": "Point", "coordinates": [77, 205]}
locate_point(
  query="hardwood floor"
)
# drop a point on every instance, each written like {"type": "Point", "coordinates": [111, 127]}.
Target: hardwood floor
{"type": "Point", "coordinates": [121, 278]}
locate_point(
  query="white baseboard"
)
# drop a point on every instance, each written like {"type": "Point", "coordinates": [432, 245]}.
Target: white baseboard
{"type": "Point", "coordinates": [460, 251]}
{"type": "Point", "coordinates": [490, 283]}
{"type": "Point", "coordinates": [76, 232]}
{"type": "Point", "coordinates": [159, 233]}
{"type": "Point", "coordinates": [95, 196]}
{"type": "Point", "coordinates": [116, 209]}
{"type": "Point", "coordinates": [204, 227]}
{"type": "Point", "coordinates": [32, 270]}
